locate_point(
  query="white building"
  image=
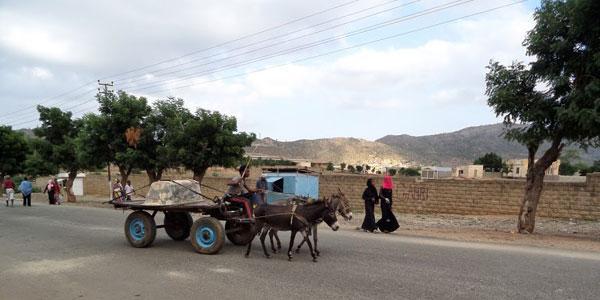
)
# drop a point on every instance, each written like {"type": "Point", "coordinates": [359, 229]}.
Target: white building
{"type": "Point", "coordinates": [436, 172]}
{"type": "Point", "coordinates": [518, 168]}
{"type": "Point", "coordinates": [468, 171]}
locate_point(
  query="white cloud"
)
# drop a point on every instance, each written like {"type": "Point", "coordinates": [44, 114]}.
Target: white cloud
{"type": "Point", "coordinates": [435, 72]}
{"type": "Point", "coordinates": [38, 72]}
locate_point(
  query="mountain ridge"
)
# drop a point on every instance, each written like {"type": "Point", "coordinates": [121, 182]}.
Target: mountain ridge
{"type": "Point", "coordinates": [448, 149]}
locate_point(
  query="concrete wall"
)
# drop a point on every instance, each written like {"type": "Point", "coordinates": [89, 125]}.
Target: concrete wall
{"type": "Point", "coordinates": [451, 196]}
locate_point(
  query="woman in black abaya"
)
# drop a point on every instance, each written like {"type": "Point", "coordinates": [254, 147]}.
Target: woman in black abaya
{"type": "Point", "coordinates": [388, 222]}
{"type": "Point", "coordinates": [371, 197]}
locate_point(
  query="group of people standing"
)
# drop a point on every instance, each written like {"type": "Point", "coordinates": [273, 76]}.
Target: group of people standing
{"type": "Point", "coordinates": [388, 222]}
{"type": "Point", "coordinates": [122, 193]}
{"type": "Point", "coordinates": [25, 187]}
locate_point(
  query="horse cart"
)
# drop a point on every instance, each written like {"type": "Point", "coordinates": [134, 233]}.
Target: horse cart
{"type": "Point", "coordinates": [178, 200]}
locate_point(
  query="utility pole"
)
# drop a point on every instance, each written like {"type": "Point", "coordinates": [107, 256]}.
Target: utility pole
{"type": "Point", "coordinates": [106, 88]}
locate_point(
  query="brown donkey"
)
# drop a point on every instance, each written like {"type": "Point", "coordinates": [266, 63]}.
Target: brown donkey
{"type": "Point", "coordinates": [295, 218]}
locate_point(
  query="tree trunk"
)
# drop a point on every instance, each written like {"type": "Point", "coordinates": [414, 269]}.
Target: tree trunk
{"type": "Point", "coordinates": [534, 184]}
{"type": "Point", "coordinates": [69, 186]}
{"type": "Point", "coordinates": [153, 175]}
{"type": "Point", "coordinates": [199, 174]}
{"type": "Point", "coordinates": [125, 171]}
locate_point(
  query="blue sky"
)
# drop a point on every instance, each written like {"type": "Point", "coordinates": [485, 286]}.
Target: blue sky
{"type": "Point", "coordinates": [425, 82]}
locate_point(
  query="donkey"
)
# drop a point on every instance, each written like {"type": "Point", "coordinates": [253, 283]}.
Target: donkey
{"type": "Point", "coordinates": [294, 219]}
{"type": "Point", "coordinates": [342, 205]}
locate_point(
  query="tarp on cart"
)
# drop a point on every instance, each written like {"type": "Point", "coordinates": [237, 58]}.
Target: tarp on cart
{"type": "Point", "coordinates": [174, 193]}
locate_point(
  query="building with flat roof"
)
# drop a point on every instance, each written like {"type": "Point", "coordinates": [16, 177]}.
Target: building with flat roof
{"type": "Point", "coordinates": [468, 171]}
{"type": "Point", "coordinates": [519, 167]}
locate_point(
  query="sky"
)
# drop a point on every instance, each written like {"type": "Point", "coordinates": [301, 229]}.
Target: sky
{"type": "Point", "coordinates": [287, 70]}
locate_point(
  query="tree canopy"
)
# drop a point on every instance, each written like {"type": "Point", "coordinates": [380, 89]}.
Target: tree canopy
{"type": "Point", "coordinates": [210, 138]}
{"type": "Point", "coordinates": [490, 161]}
{"type": "Point", "coordinates": [556, 98]}
{"type": "Point", "coordinates": [13, 151]}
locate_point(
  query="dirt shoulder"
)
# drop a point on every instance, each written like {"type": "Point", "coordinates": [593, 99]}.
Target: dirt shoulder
{"type": "Point", "coordinates": [565, 234]}
{"type": "Point", "coordinates": [568, 234]}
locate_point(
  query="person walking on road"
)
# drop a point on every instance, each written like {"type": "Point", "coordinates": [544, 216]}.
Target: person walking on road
{"type": "Point", "coordinates": [9, 190]}
{"type": "Point", "coordinates": [50, 188]}
{"type": "Point", "coordinates": [388, 222]}
{"type": "Point", "coordinates": [370, 197]}
{"type": "Point", "coordinates": [26, 188]}
{"type": "Point", "coordinates": [58, 198]}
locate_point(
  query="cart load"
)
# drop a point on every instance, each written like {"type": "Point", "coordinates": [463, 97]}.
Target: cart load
{"type": "Point", "coordinates": [177, 200]}
{"type": "Point", "coordinates": [175, 192]}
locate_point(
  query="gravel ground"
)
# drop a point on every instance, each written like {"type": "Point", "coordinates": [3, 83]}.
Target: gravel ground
{"type": "Point", "coordinates": [567, 234]}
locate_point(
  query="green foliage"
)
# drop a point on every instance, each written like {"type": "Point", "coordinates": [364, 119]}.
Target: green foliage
{"type": "Point", "coordinates": [409, 172]}
{"type": "Point", "coordinates": [56, 148]}
{"type": "Point", "coordinates": [271, 162]}
{"type": "Point", "coordinates": [490, 161]}
{"type": "Point", "coordinates": [570, 163]}
{"type": "Point", "coordinates": [392, 172]}
{"type": "Point", "coordinates": [102, 137]}
{"type": "Point", "coordinates": [13, 151]}
{"type": "Point", "coordinates": [211, 139]}
{"type": "Point", "coordinates": [566, 44]}
{"type": "Point", "coordinates": [343, 166]}
{"type": "Point", "coordinates": [351, 169]}
{"type": "Point", "coordinates": [40, 161]}
{"type": "Point", "coordinates": [163, 124]}
{"type": "Point", "coordinates": [567, 169]}
{"type": "Point", "coordinates": [330, 166]}
{"type": "Point", "coordinates": [359, 168]}
{"type": "Point", "coordinates": [367, 167]}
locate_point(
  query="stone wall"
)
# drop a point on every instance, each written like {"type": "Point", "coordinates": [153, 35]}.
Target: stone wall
{"type": "Point", "coordinates": [449, 196]}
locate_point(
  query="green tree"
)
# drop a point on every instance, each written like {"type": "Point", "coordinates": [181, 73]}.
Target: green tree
{"type": "Point", "coordinates": [566, 44]}
{"type": "Point", "coordinates": [409, 172]}
{"type": "Point", "coordinates": [58, 133]}
{"type": "Point", "coordinates": [211, 139]}
{"type": "Point", "coordinates": [102, 137]}
{"type": "Point", "coordinates": [367, 168]}
{"type": "Point", "coordinates": [13, 152]}
{"type": "Point", "coordinates": [490, 161]}
{"type": "Point", "coordinates": [330, 166]}
{"type": "Point", "coordinates": [343, 166]}
{"type": "Point", "coordinates": [351, 168]}
{"type": "Point", "coordinates": [359, 168]}
{"type": "Point", "coordinates": [159, 128]}
{"type": "Point", "coordinates": [570, 161]}
{"type": "Point", "coordinates": [392, 172]}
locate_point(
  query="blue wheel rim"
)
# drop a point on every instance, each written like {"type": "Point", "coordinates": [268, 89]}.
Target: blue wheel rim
{"type": "Point", "coordinates": [137, 230]}
{"type": "Point", "coordinates": [205, 237]}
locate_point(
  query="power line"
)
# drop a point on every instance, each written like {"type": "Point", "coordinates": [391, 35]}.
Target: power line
{"type": "Point", "coordinates": [350, 47]}
{"type": "Point", "coordinates": [234, 40]}
{"type": "Point", "coordinates": [393, 21]}
{"type": "Point", "coordinates": [47, 100]}
{"type": "Point", "coordinates": [345, 48]}
{"type": "Point", "coordinates": [140, 77]}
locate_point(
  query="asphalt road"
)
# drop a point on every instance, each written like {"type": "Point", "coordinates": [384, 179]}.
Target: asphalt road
{"type": "Point", "coordinates": [59, 252]}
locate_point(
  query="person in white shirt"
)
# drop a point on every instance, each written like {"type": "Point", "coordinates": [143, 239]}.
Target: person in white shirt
{"type": "Point", "coordinates": [129, 190]}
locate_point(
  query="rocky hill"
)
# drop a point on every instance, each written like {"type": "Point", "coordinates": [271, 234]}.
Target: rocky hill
{"type": "Point", "coordinates": [447, 149]}
{"type": "Point", "coordinates": [337, 150]}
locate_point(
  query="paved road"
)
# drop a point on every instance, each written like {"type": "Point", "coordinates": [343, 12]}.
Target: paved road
{"type": "Point", "coordinates": [58, 252]}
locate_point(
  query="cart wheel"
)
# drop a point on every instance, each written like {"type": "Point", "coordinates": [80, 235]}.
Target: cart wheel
{"type": "Point", "coordinates": [140, 229]}
{"type": "Point", "coordinates": [207, 235]}
{"type": "Point", "coordinates": [239, 233]}
{"type": "Point", "coordinates": [178, 225]}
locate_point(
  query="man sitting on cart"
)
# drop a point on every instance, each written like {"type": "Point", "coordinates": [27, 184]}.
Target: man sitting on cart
{"type": "Point", "coordinates": [239, 191]}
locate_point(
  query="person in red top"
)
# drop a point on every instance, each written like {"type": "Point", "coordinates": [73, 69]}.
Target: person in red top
{"type": "Point", "coordinates": [9, 189]}
{"type": "Point", "coordinates": [50, 188]}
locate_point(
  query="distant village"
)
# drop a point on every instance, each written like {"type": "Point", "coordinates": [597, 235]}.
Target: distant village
{"type": "Point", "coordinates": [514, 168]}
